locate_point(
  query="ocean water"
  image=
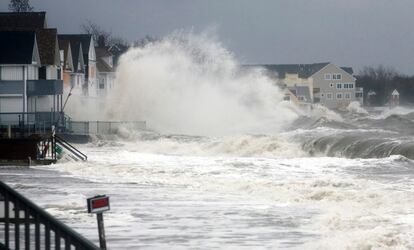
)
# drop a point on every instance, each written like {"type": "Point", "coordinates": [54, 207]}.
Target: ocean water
{"type": "Point", "coordinates": [343, 182]}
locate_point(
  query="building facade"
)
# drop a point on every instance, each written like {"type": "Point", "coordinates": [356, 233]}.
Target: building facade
{"type": "Point", "coordinates": [327, 84]}
{"type": "Point", "coordinates": [21, 89]}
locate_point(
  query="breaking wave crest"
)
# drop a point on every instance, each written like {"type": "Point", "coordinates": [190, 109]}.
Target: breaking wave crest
{"type": "Point", "coordinates": [189, 84]}
{"type": "Point", "coordinates": [357, 146]}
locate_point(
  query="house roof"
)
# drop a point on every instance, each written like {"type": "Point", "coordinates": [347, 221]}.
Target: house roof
{"type": "Point", "coordinates": [303, 70]}
{"type": "Point", "coordinates": [65, 46]}
{"type": "Point", "coordinates": [46, 42]}
{"type": "Point", "coordinates": [84, 39]}
{"type": "Point", "coordinates": [348, 70]}
{"type": "Point", "coordinates": [75, 46]}
{"type": "Point", "coordinates": [16, 47]}
{"type": "Point", "coordinates": [22, 20]}
{"type": "Point", "coordinates": [102, 52]}
{"type": "Point", "coordinates": [101, 64]}
{"type": "Point", "coordinates": [34, 21]}
{"type": "Point", "coordinates": [395, 92]}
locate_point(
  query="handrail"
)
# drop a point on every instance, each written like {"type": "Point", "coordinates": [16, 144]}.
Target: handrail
{"type": "Point", "coordinates": [71, 148]}
{"type": "Point", "coordinates": [39, 216]}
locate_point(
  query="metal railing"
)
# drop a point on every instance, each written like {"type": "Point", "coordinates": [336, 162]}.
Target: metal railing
{"type": "Point", "coordinates": [25, 124]}
{"type": "Point", "coordinates": [26, 224]}
{"type": "Point", "coordinates": [74, 151]}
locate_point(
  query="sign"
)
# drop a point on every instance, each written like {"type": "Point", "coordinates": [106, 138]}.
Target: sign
{"type": "Point", "coordinates": [98, 204]}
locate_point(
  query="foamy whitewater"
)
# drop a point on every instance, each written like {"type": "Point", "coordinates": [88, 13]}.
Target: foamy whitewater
{"type": "Point", "coordinates": [227, 165]}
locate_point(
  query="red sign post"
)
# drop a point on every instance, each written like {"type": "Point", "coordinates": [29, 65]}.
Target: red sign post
{"type": "Point", "coordinates": [98, 205]}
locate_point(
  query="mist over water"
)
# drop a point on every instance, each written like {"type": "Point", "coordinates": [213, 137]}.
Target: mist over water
{"type": "Point", "coordinates": [188, 83]}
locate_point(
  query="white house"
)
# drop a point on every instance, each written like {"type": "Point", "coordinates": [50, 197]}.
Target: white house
{"type": "Point", "coordinates": [21, 90]}
{"type": "Point", "coordinates": [106, 71]}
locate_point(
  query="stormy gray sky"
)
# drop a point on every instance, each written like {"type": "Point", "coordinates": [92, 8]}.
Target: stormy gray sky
{"type": "Point", "coordinates": [346, 32]}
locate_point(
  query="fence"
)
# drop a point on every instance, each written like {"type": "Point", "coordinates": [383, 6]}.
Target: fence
{"type": "Point", "coordinates": [26, 224]}
{"type": "Point", "coordinates": [101, 127]}
{"type": "Point", "coordinates": [25, 124]}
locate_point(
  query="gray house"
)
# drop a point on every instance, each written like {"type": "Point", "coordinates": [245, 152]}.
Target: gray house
{"type": "Point", "coordinates": [328, 84]}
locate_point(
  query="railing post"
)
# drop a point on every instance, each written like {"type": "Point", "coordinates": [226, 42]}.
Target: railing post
{"type": "Point", "coordinates": [16, 225]}
{"type": "Point", "coordinates": [57, 239]}
{"type": "Point", "coordinates": [37, 232]}
{"type": "Point", "coordinates": [47, 236]}
{"type": "Point", "coordinates": [7, 219]}
{"type": "Point", "coordinates": [27, 229]}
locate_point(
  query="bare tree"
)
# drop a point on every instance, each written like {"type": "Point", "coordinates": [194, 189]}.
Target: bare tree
{"type": "Point", "coordinates": [20, 6]}
{"type": "Point", "coordinates": [99, 34]}
{"type": "Point", "coordinates": [378, 79]}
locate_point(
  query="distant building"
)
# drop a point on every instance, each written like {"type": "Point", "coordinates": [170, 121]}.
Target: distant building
{"type": "Point", "coordinates": [83, 43]}
{"type": "Point", "coordinates": [106, 71]}
{"type": "Point", "coordinates": [395, 98]}
{"type": "Point", "coordinates": [327, 84]}
{"type": "Point", "coordinates": [73, 67]}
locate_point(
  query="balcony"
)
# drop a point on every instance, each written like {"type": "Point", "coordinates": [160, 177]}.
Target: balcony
{"type": "Point", "coordinates": [44, 87]}
{"type": "Point", "coordinates": [11, 87]}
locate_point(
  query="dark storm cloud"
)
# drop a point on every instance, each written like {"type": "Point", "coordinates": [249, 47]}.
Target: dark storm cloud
{"type": "Point", "coordinates": [351, 32]}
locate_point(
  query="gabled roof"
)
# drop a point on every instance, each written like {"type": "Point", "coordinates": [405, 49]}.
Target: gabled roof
{"type": "Point", "coordinates": [34, 21]}
{"type": "Point", "coordinates": [67, 54]}
{"type": "Point", "coordinates": [16, 47]}
{"type": "Point", "coordinates": [348, 70]}
{"type": "Point", "coordinates": [22, 20]}
{"type": "Point", "coordinates": [76, 50]}
{"type": "Point", "coordinates": [102, 66]}
{"type": "Point", "coordinates": [47, 44]}
{"type": "Point", "coordinates": [102, 52]}
{"type": "Point", "coordinates": [303, 70]}
{"type": "Point", "coordinates": [84, 39]}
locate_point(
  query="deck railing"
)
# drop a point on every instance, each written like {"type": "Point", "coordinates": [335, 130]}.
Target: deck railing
{"type": "Point", "coordinates": [26, 225]}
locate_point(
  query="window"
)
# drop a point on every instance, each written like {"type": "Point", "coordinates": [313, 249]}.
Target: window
{"type": "Point", "coordinates": [286, 98]}
{"type": "Point", "coordinates": [339, 85]}
{"type": "Point", "coordinates": [331, 85]}
{"type": "Point", "coordinates": [358, 95]}
{"type": "Point", "coordinates": [351, 85]}
{"type": "Point", "coordinates": [329, 95]}
{"type": "Point", "coordinates": [336, 76]}
{"type": "Point", "coordinates": [327, 76]}
{"type": "Point", "coordinates": [345, 85]}
{"type": "Point", "coordinates": [339, 96]}
{"type": "Point", "coordinates": [301, 98]}
{"type": "Point", "coordinates": [347, 96]}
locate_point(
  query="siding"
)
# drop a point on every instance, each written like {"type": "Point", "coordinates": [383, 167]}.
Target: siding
{"type": "Point", "coordinates": [11, 73]}
{"type": "Point", "coordinates": [51, 73]}
{"type": "Point", "coordinates": [11, 104]}
{"type": "Point", "coordinates": [32, 73]}
{"type": "Point", "coordinates": [326, 88]}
